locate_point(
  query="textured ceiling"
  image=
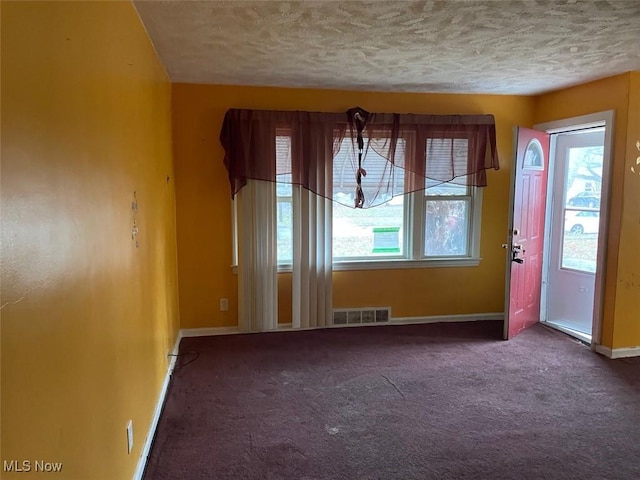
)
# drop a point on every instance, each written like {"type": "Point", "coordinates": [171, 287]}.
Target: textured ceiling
{"type": "Point", "coordinates": [488, 46]}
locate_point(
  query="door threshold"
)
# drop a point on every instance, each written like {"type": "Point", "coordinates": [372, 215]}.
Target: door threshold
{"type": "Point", "coordinates": [583, 337]}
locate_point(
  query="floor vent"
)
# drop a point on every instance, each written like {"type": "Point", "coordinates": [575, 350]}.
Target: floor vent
{"type": "Point", "coordinates": [365, 315]}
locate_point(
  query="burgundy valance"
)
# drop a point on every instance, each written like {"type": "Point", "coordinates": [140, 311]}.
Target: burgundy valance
{"type": "Point", "coordinates": [401, 153]}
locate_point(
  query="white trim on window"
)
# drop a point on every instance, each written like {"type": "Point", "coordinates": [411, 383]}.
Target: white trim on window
{"type": "Point", "coordinates": [413, 241]}
{"type": "Point", "coordinates": [439, 262]}
{"type": "Point", "coordinates": [413, 238]}
{"type": "Point", "coordinates": [400, 264]}
{"type": "Point", "coordinates": [234, 233]}
{"type": "Point", "coordinates": [415, 219]}
{"type": "Point", "coordinates": [476, 223]}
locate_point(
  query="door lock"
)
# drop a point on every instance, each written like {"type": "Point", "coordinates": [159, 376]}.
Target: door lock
{"type": "Point", "coordinates": [514, 253]}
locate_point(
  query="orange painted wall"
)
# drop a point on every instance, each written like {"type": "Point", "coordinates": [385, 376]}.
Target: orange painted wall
{"type": "Point", "coordinates": [204, 206]}
{"type": "Point", "coordinates": [607, 94]}
{"type": "Point", "coordinates": [626, 331]}
{"type": "Point", "coordinates": [87, 318]}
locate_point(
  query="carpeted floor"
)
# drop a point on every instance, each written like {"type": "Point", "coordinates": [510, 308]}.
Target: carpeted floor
{"type": "Point", "coordinates": [441, 401]}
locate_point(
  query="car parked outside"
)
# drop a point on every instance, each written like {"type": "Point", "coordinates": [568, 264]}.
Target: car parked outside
{"type": "Point", "coordinates": [582, 222]}
{"type": "Point", "coordinates": [585, 199]}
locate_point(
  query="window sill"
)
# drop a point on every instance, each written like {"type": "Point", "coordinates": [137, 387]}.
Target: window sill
{"type": "Point", "coordinates": [404, 264]}
{"type": "Point", "coordinates": [393, 264]}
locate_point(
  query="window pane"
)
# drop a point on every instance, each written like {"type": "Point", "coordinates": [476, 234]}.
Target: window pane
{"type": "Point", "coordinates": [438, 188]}
{"type": "Point", "coordinates": [284, 213]}
{"type": "Point", "coordinates": [580, 242]}
{"type": "Point", "coordinates": [446, 229]}
{"type": "Point", "coordinates": [533, 155]}
{"type": "Point", "coordinates": [584, 177]}
{"type": "Point", "coordinates": [371, 232]}
{"type": "Point", "coordinates": [582, 217]}
{"type": "Point", "coordinates": [381, 182]}
{"type": "Point", "coordinates": [285, 230]}
{"type": "Point", "coordinates": [283, 187]}
{"type": "Point", "coordinates": [283, 153]}
{"type": "Point", "coordinates": [447, 159]}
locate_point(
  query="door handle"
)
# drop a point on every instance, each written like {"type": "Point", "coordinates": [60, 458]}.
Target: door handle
{"type": "Point", "coordinates": [515, 248]}
{"type": "Point", "coordinates": [514, 256]}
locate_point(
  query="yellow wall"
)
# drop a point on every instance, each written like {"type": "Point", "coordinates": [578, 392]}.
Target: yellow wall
{"type": "Point", "coordinates": [204, 206]}
{"type": "Point", "coordinates": [621, 318]}
{"type": "Point", "coordinates": [627, 312]}
{"type": "Point", "coordinates": [87, 318]}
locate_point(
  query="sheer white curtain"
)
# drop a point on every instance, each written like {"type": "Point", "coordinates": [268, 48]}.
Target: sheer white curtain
{"type": "Point", "coordinates": [312, 260]}
{"type": "Point", "coordinates": [257, 257]}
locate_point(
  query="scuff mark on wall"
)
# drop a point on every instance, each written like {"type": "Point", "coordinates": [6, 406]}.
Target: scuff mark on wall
{"type": "Point", "coordinates": [134, 229]}
{"type": "Point", "coordinates": [632, 282]}
{"type": "Point", "coordinates": [44, 284]}
{"type": "Point", "coordinates": [637, 165]}
{"type": "Point", "coordinates": [636, 168]}
{"type": "Point", "coordinates": [13, 302]}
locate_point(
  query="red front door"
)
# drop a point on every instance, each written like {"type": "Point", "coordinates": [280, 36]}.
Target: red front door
{"type": "Point", "coordinates": [525, 242]}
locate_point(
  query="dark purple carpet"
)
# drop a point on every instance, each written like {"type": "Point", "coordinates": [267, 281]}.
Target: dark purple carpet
{"type": "Point", "coordinates": [442, 401]}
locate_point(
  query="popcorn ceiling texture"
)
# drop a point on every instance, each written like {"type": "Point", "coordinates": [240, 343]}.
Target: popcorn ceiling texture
{"type": "Point", "coordinates": [506, 47]}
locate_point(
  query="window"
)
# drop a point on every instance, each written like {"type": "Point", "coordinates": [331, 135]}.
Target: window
{"type": "Point", "coordinates": [284, 196]}
{"type": "Point", "coordinates": [285, 222]}
{"type": "Point", "coordinates": [448, 206]}
{"type": "Point", "coordinates": [447, 216]}
{"type": "Point", "coordinates": [439, 225]}
{"type": "Point", "coordinates": [582, 185]}
{"type": "Point", "coordinates": [371, 233]}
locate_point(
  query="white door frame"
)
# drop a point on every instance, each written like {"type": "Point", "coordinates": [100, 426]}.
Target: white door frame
{"type": "Point", "coordinates": [599, 119]}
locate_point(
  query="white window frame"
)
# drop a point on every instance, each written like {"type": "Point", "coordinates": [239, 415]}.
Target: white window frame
{"type": "Point", "coordinates": [380, 259]}
{"type": "Point", "coordinates": [473, 197]}
{"type": "Point", "coordinates": [413, 237]}
{"type": "Point", "coordinates": [414, 228]}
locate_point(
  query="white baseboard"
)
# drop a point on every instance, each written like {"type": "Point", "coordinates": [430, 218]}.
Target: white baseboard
{"type": "Point", "coordinates": [146, 448]}
{"type": "Point", "coordinates": [472, 317]}
{"type": "Point", "coordinates": [602, 350]}
{"type": "Point", "coordinates": [625, 352]}
{"type": "Point", "coordinates": [206, 332]}
{"type": "Point", "coordinates": [618, 352]}
{"type": "Point", "coordinates": [212, 331]}
{"type": "Point", "coordinates": [405, 321]}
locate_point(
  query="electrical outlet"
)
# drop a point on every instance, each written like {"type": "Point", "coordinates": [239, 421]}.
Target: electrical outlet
{"type": "Point", "coordinates": [224, 304]}
{"type": "Point", "coordinates": [130, 436]}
